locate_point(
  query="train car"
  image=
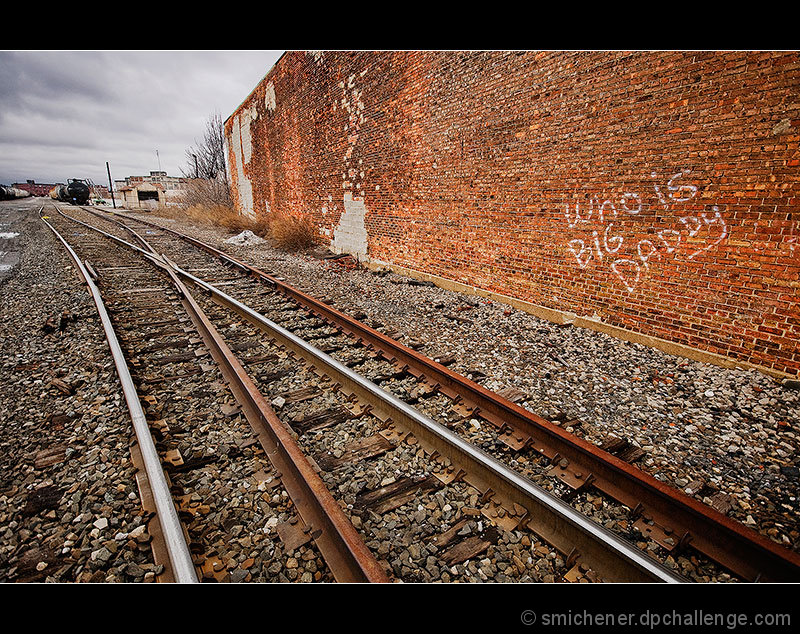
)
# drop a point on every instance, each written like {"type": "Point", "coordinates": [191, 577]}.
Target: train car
{"type": "Point", "coordinates": [76, 191]}
{"type": "Point", "coordinates": [10, 193]}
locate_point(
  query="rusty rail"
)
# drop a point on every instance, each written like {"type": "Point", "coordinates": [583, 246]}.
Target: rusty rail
{"type": "Point", "coordinates": [340, 544]}
{"type": "Point", "coordinates": [552, 519]}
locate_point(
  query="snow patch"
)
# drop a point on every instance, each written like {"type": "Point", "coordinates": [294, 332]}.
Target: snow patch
{"type": "Point", "coordinates": [245, 239]}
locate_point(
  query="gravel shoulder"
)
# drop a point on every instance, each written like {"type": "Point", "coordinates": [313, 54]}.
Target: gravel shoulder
{"type": "Point", "coordinates": [728, 437]}
{"type": "Point", "coordinates": [69, 504]}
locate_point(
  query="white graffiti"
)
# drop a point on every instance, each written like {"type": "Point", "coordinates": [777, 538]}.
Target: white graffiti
{"type": "Point", "coordinates": [630, 265]}
{"type": "Point", "coordinates": [793, 240]}
{"type": "Point", "coordinates": [672, 188]}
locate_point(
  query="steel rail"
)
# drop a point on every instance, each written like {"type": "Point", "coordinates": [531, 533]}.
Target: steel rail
{"type": "Point", "coordinates": [551, 518]}
{"type": "Point", "coordinates": [344, 551]}
{"type": "Point", "coordinates": [183, 568]}
{"type": "Point", "coordinates": [722, 539]}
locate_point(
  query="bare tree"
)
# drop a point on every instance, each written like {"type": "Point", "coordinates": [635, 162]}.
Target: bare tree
{"type": "Point", "coordinates": [207, 167]}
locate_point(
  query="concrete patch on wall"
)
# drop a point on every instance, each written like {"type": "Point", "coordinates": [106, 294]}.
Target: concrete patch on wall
{"type": "Point", "coordinates": [269, 97]}
{"type": "Point", "coordinates": [248, 116]}
{"type": "Point", "coordinates": [242, 151]}
{"type": "Point", "coordinates": [353, 105]}
{"type": "Point", "coordinates": [783, 127]}
{"type": "Point", "coordinates": [350, 235]}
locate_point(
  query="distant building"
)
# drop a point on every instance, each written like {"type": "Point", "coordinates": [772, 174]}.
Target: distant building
{"type": "Point", "coordinates": [151, 191]}
{"type": "Point", "coordinates": [142, 196]}
{"type": "Point", "coordinates": [99, 191]}
{"type": "Point", "coordinates": [36, 189]}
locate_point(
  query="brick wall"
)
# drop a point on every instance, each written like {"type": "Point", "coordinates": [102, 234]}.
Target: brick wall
{"type": "Point", "coordinates": [657, 192]}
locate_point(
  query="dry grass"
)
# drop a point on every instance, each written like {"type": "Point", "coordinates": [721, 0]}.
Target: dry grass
{"type": "Point", "coordinates": [290, 232]}
{"type": "Point", "coordinates": [283, 230]}
{"type": "Point", "coordinates": [219, 216]}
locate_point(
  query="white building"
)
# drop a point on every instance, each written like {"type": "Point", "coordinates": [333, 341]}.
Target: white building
{"type": "Point", "coordinates": [149, 192]}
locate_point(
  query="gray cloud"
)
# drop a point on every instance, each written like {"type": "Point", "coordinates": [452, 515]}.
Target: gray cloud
{"type": "Point", "coordinates": [63, 114]}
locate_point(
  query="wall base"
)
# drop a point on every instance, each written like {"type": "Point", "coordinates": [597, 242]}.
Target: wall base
{"type": "Point", "coordinates": [566, 318]}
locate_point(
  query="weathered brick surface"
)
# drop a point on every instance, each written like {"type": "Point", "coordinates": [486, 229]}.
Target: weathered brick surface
{"type": "Point", "coordinates": [657, 191]}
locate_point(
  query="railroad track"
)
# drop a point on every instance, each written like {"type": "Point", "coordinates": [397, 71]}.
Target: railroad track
{"type": "Point", "coordinates": [422, 455]}
{"type": "Point", "coordinates": [168, 340]}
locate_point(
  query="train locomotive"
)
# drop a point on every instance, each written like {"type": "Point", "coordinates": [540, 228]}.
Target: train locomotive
{"type": "Point", "coordinates": [75, 191]}
{"type": "Point", "coordinates": [10, 193]}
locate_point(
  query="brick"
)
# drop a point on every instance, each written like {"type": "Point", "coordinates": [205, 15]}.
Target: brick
{"type": "Point", "coordinates": [658, 189]}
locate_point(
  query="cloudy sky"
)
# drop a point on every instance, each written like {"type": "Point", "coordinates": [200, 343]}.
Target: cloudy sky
{"type": "Point", "coordinates": [63, 114]}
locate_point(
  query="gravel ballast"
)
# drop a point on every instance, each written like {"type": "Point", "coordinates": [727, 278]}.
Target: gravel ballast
{"type": "Point", "coordinates": [69, 503]}
{"type": "Point", "coordinates": [728, 437]}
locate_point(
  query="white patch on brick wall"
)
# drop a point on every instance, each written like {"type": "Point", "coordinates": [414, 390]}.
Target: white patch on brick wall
{"type": "Point", "coordinates": [269, 97]}
{"type": "Point", "coordinates": [782, 127]}
{"type": "Point", "coordinates": [248, 116]}
{"type": "Point", "coordinates": [352, 103]}
{"type": "Point", "coordinates": [242, 151]}
{"type": "Point", "coordinates": [317, 55]}
{"type": "Point", "coordinates": [350, 235]}
{"type": "Point", "coordinates": [794, 238]}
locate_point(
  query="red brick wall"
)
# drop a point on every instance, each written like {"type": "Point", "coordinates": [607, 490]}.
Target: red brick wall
{"type": "Point", "coordinates": [657, 191]}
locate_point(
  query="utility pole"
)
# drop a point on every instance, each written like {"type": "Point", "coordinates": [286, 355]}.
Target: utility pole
{"type": "Point", "coordinates": [110, 185]}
